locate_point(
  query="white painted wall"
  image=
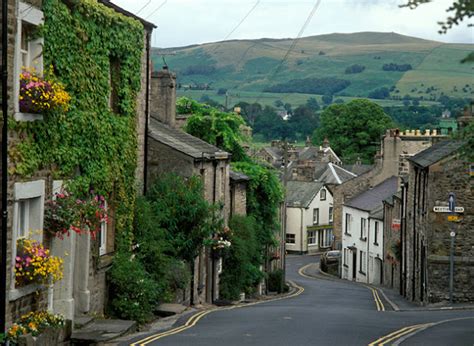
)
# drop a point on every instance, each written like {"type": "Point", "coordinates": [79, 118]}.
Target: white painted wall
{"type": "Point", "coordinates": [351, 238]}
{"type": "Point", "coordinates": [375, 252]}
{"type": "Point", "coordinates": [298, 219]}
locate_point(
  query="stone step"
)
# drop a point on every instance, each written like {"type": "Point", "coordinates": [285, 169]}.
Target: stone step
{"type": "Point", "coordinates": [82, 321]}
{"type": "Point", "coordinates": [165, 310]}
{"type": "Point", "coordinates": [101, 331]}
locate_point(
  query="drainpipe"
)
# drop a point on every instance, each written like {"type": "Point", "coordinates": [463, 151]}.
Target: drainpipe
{"type": "Point", "coordinates": [147, 113]}
{"type": "Point", "coordinates": [302, 230]}
{"type": "Point", "coordinates": [213, 262]}
{"type": "Point", "coordinates": [3, 267]}
{"type": "Point", "coordinates": [368, 251]}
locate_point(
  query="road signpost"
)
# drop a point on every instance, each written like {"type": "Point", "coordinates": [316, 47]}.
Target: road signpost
{"type": "Point", "coordinates": [452, 209]}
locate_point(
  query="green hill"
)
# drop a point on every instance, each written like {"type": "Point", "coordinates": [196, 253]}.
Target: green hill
{"type": "Point", "coordinates": [404, 65]}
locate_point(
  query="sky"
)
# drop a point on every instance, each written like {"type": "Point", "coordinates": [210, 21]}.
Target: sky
{"type": "Point", "coordinates": [186, 22]}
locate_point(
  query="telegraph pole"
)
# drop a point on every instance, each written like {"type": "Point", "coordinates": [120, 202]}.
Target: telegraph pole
{"type": "Point", "coordinates": [283, 241]}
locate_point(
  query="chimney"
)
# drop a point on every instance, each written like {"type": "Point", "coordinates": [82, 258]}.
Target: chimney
{"type": "Point", "coordinates": [326, 143]}
{"type": "Point", "coordinates": [308, 142]}
{"type": "Point", "coordinates": [163, 97]}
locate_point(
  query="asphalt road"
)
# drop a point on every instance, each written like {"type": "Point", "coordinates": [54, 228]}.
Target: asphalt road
{"type": "Point", "coordinates": [326, 313]}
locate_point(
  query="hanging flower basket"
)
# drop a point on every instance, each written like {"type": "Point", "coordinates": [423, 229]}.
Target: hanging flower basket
{"type": "Point", "coordinates": [34, 264]}
{"type": "Point", "coordinates": [41, 94]}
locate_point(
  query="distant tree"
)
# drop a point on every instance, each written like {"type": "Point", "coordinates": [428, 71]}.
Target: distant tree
{"type": "Point", "coordinates": [288, 108]}
{"type": "Point", "coordinates": [327, 99]}
{"type": "Point", "coordinates": [356, 68]}
{"type": "Point", "coordinates": [303, 122]}
{"type": "Point", "coordinates": [278, 103]}
{"type": "Point", "coordinates": [353, 128]}
{"type": "Point", "coordinates": [380, 93]}
{"type": "Point", "coordinates": [396, 67]}
{"type": "Point", "coordinates": [406, 103]}
{"type": "Point", "coordinates": [339, 101]}
{"type": "Point", "coordinates": [270, 125]}
{"type": "Point", "coordinates": [415, 102]}
{"type": "Point", "coordinates": [326, 85]}
{"type": "Point", "coordinates": [313, 104]}
{"type": "Point", "coordinates": [221, 91]}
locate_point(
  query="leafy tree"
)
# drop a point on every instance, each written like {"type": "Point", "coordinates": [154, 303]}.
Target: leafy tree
{"type": "Point", "coordinates": [278, 103]}
{"type": "Point", "coordinates": [380, 93]}
{"type": "Point", "coordinates": [356, 68]}
{"type": "Point", "coordinates": [270, 125]}
{"type": "Point", "coordinates": [288, 108]}
{"type": "Point", "coordinates": [327, 85]}
{"type": "Point", "coordinates": [221, 91]}
{"type": "Point", "coordinates": [327, 99]}
{"type": "Point", "coordinates": [303, 122]}
{"type": "Point", "coordinates": [353, 128]}
{"type": "Point", "coordinates": [216, 127]}
{"type": "Point", "coordinates": [313, 104]}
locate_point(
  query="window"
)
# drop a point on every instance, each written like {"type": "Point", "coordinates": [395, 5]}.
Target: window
{"type": "Point", "coordinates": [28, 213]}
{"type": "Point", "coordinates": [28, 50]}
{"type": "Point", "coordinates": [315, 216]}
{"type": "Point", "coordinates": [312, 240]}
{"type": "Point", "coordinates": [363, 229]}
{"type": "Point", "coordinates": [290, 238]}
{"type": "Point", "coordinates": [114, 76]}
{"type": "Point", "coordinates": [331, 214]}
{"type": "Point", "coordinates": [103, 236]}
{"type": "Point", "coordinates": [326, 237]}
{"type": "Point", "coordinates": [346, 257]}
{"type": "Point", "coordinates": [323, 195]}
{"type": "Point", "coordinates": [363, 262]}
{"type": "Point", "coordinates": [348, 224]}
{"type": "Point", "coordinates": [376, 233]}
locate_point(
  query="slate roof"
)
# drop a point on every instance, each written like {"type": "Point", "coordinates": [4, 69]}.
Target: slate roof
{"type": "Point", "coordinates": [369, 200]}
{"type": "Point", "coordinates": [436, 153]}
{"type": "Point", "coordinates": [276, 153]}
{"type": "Point", "coordinates": [184, 142]}
{"type": "Point", "coordinates": [312, 153]}
{"type": "Point", "coordinates": [238, 176]}
{"type": "Point", "coordinates": [358, 169]}
{"type": "Point", "coordinates": [377, 213]}
{"type": "Point", "coordinates": [333, 174]}
{"type": "Point", "coordinates": [301, 193]}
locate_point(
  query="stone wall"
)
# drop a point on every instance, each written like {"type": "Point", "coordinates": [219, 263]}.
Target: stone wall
{"type": "Point", "coordinates": [239, 198]}
{"type": "Point", "coordinates": [428, 239]}
{"type": "Point", "coordinates": [391, 238]}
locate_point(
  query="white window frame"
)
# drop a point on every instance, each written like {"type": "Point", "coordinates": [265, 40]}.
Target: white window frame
{"type": "Point", "coordinates": [293, 238]}
{"type": "Point", "coordinates": [315, 216]}
{"type": "Point", "coordinates": [376, 233]}
{"type": "Point", "coordinates": [347, 225]}
{"type": "Point", "coordinates": [29, 192]}
{"type": "Point", "coordinates": [312, 237]}
{"type": "Point", "coordinates": [103, 236]}
{"type": "Point", "coordinates": [322, 195]}
{"type": "Point", "coordinates": [363, 262]}
{"type": "Point", "coordinates": [326, 238]}
{"type": "Point", "coordinates": [363, 228]}
{"type": "Point", "coordinates": [26, 14]}
{"type": "Point", "coordinates": [331, 214]}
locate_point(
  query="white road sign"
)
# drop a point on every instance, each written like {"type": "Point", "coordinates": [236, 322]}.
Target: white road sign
{"type": "Point", "coordinates": [446, 210]}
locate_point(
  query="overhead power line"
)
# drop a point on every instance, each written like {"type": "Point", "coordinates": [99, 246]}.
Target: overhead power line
{"type": "Point", "coordinates": [156, 9]}
{"type": "Point", "coordinates": [293, 45]}
{"type": "Point", "coordinates": [143, 7]}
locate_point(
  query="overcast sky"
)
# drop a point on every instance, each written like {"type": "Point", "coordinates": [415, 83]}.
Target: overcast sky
{"type": "Point", "coordinates": [185, 22]}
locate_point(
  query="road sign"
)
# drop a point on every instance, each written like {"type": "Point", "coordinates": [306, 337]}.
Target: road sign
{"type": "Point", "coordinates": [438, 209]}
{"type": "Point", "coordinates": [453, 218]}
{"type": "Point", "coordinates": [452, 234]}
{"type": "Point", "coordinates": [452, 202]}
{"type": "Point", "coordinates": [396, 223]}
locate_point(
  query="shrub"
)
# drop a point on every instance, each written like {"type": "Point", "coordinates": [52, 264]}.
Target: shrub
{"type": "Point", "coordinates": [275, 282]}
{"type": "Point", "coordinates": [133, 292]}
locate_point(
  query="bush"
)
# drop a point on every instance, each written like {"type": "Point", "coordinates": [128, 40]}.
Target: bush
{"type": "Point", "coordinates": [242, 260]}
{"type": "Point", "coordinates": [275, 282]}
{"type": "Point", "coordinates": [356, 68]}
{"type": "Point", "coordinates": [133, 293]}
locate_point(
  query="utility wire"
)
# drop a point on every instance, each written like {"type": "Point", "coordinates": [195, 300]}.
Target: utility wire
{"type": "Point", "coordinates": [237, 26]}
{"type": "Point", "coordinates": [143, 7]}
{"type": "Point", "coordinates": [293, 45]}
{"type": "Point", "coordinates": [156, 9]}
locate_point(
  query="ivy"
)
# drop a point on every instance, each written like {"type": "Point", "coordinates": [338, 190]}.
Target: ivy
{"type": "Point", "coordinates": [91, 146]}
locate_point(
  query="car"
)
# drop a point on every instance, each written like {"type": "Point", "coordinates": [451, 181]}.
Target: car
{"type": "Point", "coordinates": [328, 258]}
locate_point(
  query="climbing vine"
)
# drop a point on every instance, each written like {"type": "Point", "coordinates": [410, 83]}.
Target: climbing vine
{"type": "Point", "coordinates": [95, 53]}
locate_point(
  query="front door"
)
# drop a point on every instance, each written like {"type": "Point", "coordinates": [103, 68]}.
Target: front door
{"type": "Point", "coordinates": [354, 264]}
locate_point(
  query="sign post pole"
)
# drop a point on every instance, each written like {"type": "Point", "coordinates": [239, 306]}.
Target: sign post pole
{"type": "Point", "coordinates": [452, 209]}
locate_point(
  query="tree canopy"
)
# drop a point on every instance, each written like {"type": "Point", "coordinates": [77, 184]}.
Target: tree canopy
{"type": "Point", "coordinates": [353, 128]}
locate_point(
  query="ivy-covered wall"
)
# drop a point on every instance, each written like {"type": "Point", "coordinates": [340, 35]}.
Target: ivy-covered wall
{"type": "Point", "coordinates": [98, 54]}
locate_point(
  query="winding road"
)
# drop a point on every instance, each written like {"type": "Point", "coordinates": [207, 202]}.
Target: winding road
{"type": "Point", "coordinates": [321, 312]}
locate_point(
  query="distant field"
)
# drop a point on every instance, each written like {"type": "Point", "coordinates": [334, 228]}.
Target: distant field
{"type": "Point", "coordinates": [246, 67]}
{"type": "Point", "coordinates": [270, 98]}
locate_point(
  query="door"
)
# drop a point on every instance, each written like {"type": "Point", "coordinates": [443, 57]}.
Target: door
{"type": "Point", "coordinates": [354, 264]}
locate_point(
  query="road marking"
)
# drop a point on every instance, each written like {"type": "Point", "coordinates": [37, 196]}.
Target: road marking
{"type": "Point", "coordinates": [397, 334]}
{"type": "Point", "coordinates": [378, 302]}
{"type": "Point", "coordinates": [193, 320]}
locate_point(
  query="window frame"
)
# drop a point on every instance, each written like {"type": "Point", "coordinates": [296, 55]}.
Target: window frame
{"type": "Point", "coordinates": [331, 214]}
{"type": "Point", "coordinates": [348, 222]}
{"type": "Point", "coordinates": [376, 232]}
{"type": "Point", "coordinates": [315, 216]}
{"type": "Point", "coordinates": [314, 236]}
{"type": "Point", "coordinates": [322, 195]}
{"type": "Point", "coordinates": [363, 229]}
{"type": "Point", "coordinates": [362, 262]}
{"type": "Point", "coordinates": [290, 235]}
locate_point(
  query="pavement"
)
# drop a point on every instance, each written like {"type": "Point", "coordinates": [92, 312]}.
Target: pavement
{"type": "Point", "coordinates": [321, 310]}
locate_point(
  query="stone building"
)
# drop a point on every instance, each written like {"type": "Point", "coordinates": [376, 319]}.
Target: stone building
{"type": "Point", "coordinates": [392, 220]}
{"type": "Point", "coordinates": [238, 193]}
{"type": "Point", "coordinates": [396, 148]}
{"type": "Point", "coordinates": [83, 289]}
{"type": "Point", "coordinates": [433, 175]}
{"type": "Point", "coordinates": [309, 217]}
{"type": "Point", "coordinates": [171, 150]}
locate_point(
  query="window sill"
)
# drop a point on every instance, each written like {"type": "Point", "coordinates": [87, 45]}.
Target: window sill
{"type": "Point", "coordinates": [20, 292]}
{"type": "Point", "coordinates": [347, 234]}
{"type": "Point", "coordinates": [105, 261]}
{"type": "Point", "coordinates": [28, 116]}
{"type": "Point", "coordinates": [363, 239]}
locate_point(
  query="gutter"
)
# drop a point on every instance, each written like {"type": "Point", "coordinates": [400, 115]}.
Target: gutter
{"type": "Point", "coordinates": [147, 113]}
{"type": "Point", "coordinates": [3, 268]}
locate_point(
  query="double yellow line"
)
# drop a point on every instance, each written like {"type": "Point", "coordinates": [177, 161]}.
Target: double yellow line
{"type": "Point", "coordinates": [378, 301]}
{"type": "Point", "coordinates": [193, 320]}
{"type": "Point", "coordinates": [398, 334]}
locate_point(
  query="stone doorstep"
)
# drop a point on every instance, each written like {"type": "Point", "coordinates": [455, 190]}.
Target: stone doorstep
{"type": "Point", "coordinates": [166, 310]}
{"type": "Point", "coordinates": [100, 331]}
{"type": "Point", "coordinates": [82, 321]}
